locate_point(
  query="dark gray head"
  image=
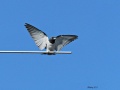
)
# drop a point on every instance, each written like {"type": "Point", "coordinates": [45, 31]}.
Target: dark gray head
{"type": "Point", "coordinates": [52, 40]}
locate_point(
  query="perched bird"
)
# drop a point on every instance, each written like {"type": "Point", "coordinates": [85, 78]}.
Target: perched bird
{"type": "Point", "coordinates": [54, 43]}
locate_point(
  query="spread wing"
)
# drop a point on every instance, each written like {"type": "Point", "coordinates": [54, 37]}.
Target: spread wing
{"type": "Point", "coordinates": [63, 40]}
{"type": "Point", "coordinates": [39, 37]}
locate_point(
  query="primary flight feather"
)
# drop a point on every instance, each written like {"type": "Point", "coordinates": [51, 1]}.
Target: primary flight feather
{"type": "Point", "coordinates": [54, 43]}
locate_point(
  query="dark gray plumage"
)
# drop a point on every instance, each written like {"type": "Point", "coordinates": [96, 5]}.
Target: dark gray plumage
{"type": "Point", "coordinates": [54, 43]}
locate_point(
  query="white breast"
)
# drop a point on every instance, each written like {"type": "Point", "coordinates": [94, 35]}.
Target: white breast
{"type": "Point", "coordinates": [49, 47]}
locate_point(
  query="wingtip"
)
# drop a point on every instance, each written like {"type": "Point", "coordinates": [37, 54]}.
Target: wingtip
{"type": "Point", "coordinates": [26, 24]}
{"type": "Point", "coordinates": [76, 36]}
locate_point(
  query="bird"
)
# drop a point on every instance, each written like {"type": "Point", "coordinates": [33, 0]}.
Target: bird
{"type": "Point", "coordinates": [43, 42]}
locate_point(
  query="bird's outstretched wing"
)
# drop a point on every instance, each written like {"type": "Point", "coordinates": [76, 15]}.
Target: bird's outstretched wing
{"type": "Point", "coordinates": [63, 40]}
{"type": "Point", "coordinates": [39, 37]}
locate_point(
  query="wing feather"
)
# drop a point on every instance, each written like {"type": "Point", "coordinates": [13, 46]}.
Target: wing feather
{"type": "Point", "coordinates": [63, 40]}
{"type": "Point", "coordinates": [38, 36]}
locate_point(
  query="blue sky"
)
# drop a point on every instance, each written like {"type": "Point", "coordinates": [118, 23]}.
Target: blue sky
{"type": "Point", "coordinates": [96, 53]}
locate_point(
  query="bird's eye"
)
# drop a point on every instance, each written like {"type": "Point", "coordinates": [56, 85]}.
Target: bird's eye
{"type": "Point", "coordinates": [53, 38]}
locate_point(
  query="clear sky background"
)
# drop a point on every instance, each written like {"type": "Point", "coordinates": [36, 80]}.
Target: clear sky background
{"type": "Point", "coordinates": [95, 61]}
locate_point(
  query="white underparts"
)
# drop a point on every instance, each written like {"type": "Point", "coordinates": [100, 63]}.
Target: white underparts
{"type": "Point", "coordinates": [49, 47]}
